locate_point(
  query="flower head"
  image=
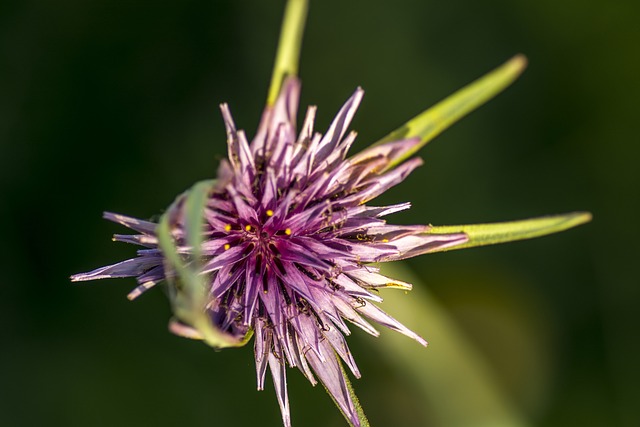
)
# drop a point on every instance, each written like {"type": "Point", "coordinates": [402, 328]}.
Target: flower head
{"type": "Point", "coordinates": [284, 245]}
{"type": "Point", "coordinates": [289, 242]}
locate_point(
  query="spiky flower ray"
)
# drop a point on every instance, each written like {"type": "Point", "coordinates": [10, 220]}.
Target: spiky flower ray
{"type": "Point", "coordinates": [289, 244]}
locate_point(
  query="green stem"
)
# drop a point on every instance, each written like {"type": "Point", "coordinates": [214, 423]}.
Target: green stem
{"type": "Point", "coordinates": [288, 54]}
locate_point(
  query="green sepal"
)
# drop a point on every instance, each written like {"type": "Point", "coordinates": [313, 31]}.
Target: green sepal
{"type": "Point", "coordinates": [502, 232]}
{"type": "Point", "coordinates": [187, 287]}
{"type": "Point", "coordinates": [430, 123]}
{"type": "Point", "coordinates": [288, 54]}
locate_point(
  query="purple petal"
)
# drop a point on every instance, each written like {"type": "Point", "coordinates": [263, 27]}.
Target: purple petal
{"type": "Point", "coordinates": [137, 239]}
{"type": "Point", "coordinates": [371, 252]}
{"type": "Point", "coordinates": [413, 245]}
{"type": "Point", "coordinates": [279, 375]}
{"type": "Point", "coordinates": [270, 191]}
{"type": "Point", "coordinates": [226, 277]}
{"type": "Point", "coordinates": [330, 374]}
{"type": "Point", "coordinates": [254, 271]}
{"type": "Point", "coordinates": [292, 252]}
{"type": "Point", "coordinates": [232, 136]}
{"type": "Point", "coordinates": [337, 341]}
{"type": "Point", "coordinates": [376, 280]}
{"type": "Point", "coordinates": [392, 232]}
{"type": "Point", "coordinates": [307, 126]}
{"type": "Point", "coordinates": [348, 312]}
{"type": "Point", "coordinates": [389, 151]}
{"type": "Point", "coordinates": [231, 256]}
{"type": "Point", "coordinates": [244, 210]}
{"type": "Point", "coordinates": [307, 330]}
{"type": "Point", "coordinates": [377, 315]}
{"type": "Point", "coordinates": [246, 157]}
{"type": "Point", "coordinates": [299, 349]}
{"type": "Point", "coordinates": [129, 268]}
{"type": "Point", "coordinates": [261, 349]}
{"type": "Point", "coordinates": [339, 126]}
{"type": "Point", "coordinates": [378, 185]}
{"type": "Point", "coordinates": [347, 284]}
{"type": "Point", "coordinates": [138, 225]}
{"type": "Point", "coordinates": [283, 111]}
{"type": "Point", "coordinates": [140, 289]}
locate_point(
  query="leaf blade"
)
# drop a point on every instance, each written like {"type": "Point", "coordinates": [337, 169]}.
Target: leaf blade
{"type": "Point", "coordinates": [502, 232]}
{"type": "Point", "coordinates": [433, 121]}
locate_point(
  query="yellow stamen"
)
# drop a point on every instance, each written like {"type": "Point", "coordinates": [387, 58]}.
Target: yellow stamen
{"type": "Point", "coordinates": [287, 232]}
{"type": "Point", "coordinates": [227, 246]}
{"type": "Point", "coordinates": [247, 227]}
{"type": "Point", "coordinates": [269, 212]}
{"type": "Point", "coordinates": [227, 227]}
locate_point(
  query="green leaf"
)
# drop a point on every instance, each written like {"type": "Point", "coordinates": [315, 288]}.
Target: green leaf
{"type": "Point", "coordinates": [436, 119]}
{"type": "Point", "coordinates": [288, 54]}
{"type": "Point", "coordinates": [188, 291]}
{"type": "Point", "coordinates": [501, 232]}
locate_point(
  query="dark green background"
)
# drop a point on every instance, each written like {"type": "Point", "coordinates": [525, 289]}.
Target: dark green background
{"type": "Point", "coordinates": [112, 105]}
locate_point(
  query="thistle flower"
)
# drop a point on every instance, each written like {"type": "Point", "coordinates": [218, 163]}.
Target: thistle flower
{"type": "Point", "coordinates": [288, 244]}
{"type": "Point", "coordinates": [283, 245]}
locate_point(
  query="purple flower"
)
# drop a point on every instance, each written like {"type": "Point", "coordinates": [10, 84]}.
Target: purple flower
{"type": "Point", "coordinates": [283, 246]}
{"type": "Point", "coordinates": [289, 244]}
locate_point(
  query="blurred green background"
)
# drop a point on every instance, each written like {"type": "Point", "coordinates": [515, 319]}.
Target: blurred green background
{"type": "Point", "coordinates": [112, 105]}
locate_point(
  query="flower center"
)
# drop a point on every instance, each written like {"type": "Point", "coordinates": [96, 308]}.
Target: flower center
{"type": "Point", "coordinates": [263, 239]}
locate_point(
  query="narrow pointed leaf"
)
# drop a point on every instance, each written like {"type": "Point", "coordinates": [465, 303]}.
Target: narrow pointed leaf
{"type": "Point", "coordinates": [436, 119]}
{"type": "Point", "coordinates": [502, 232]}
{"type": "Point", "coordinates": [188, 291]}
{"type": "Point", "coordinates": [288, 54]}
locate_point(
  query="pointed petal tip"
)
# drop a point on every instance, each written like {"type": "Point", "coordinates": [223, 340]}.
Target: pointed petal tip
{"type": "Point", "coordinates": [86, 277]}
{"type": "Point", "coordinates": [417, 338]}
